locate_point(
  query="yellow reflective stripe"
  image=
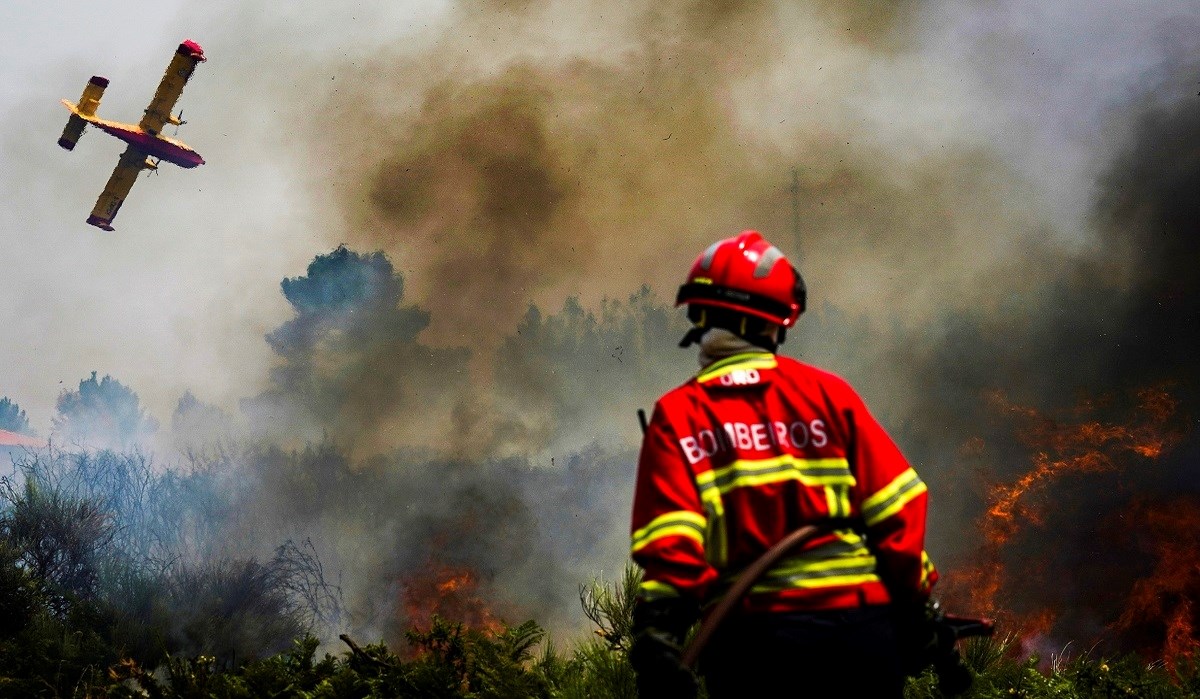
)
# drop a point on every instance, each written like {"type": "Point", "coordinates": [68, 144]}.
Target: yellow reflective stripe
{"type": "Point", "coordinates": [651, 590]}
{"type": "Point", "coordinates": [801, 568]}
{"type": "Point", "coordinates": [831, 580]}
{"type": "Point", "coordinates": [808, 571]}
{"type": "Point", "coordinates": [737, 358]}
{"type": "Point", "coordinates": [850, 543]}
{"type": "Point", "coordinates": [679, 523]}
{"type": "Point", "coordinates": [848, 550]}
{"type": "Point", "coordinates": [716, 542]}
{"type": "Point", "coordinates": [748, 360]}
{"type": "Point", "coordinates": [892, 497]}
{"type": "Point", "coordinates": [748, 473]}
{"type": "Point", "coordinates": [837, 498]}
{"type": "Point", "coordinates": [927, 569]}
{"type": "Point", "coordinates": [844, 561]}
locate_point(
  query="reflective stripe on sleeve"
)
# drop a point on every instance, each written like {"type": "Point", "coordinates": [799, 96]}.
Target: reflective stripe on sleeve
{"type": "Point", "coordinates": [927, 571]}
{"type": "Point", "coordinates": [892, 498]}
{"type": "Point", "coordinates": [679, 523]}
{"type": "Point", "coordinates": [650, 590]}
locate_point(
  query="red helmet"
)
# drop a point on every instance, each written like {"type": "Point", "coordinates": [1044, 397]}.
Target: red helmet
{"type": "Point", "coordinates": [749, 275]}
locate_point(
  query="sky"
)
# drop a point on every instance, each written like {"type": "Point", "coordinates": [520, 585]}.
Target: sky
{"type": "Point", "coordinates": [182, 293]}
{"type": "Point", "coordinates": [292, 113]}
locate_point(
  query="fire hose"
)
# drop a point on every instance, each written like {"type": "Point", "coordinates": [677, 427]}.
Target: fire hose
{"type": "Point", "coordinates": [740, 587]}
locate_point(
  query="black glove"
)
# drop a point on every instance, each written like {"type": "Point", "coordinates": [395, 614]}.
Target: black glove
{"type": "Point", "coordinates": [658, 631]}
{"type": "Point", "coordinates": [916, 636]}
{"type": "Point", "coordinates": [954, 677]}
{"type": "Point", "coordinates": [656, 659]}
{"type": "Point", "coordinates": [924, 640]}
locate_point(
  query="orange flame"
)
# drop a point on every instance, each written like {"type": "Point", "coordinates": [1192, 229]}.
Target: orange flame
{"type": "Point", "coordinates": [1162, 603]}
{"type": "Point", "coordinates": [1088, 447]}
{"type": "Point", "coordinates": [446, 591]}
{"type": "Point", "coordinates": [1075, 445]}
{"type": "Point", "coordinates": [455, 583]}
{"type": "Point", "coordinates": [1181, 640]}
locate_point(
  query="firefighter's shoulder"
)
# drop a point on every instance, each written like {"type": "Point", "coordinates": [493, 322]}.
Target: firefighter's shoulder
{"type": "Point", "coordinates": [673, 399]}
{"type": "Point", "coordinates": [808, 376]}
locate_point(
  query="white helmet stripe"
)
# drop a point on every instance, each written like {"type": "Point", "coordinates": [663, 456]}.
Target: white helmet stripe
{"type": "Point", "coordinates": [768, 259]}
{"type": "Point", "coordinates": [707, 259]}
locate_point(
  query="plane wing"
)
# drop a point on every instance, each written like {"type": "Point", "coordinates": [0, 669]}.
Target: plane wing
{"type": "Point", "coordinates": [176, 76]}
{"type": "Point", "coordinates": [124, 175]}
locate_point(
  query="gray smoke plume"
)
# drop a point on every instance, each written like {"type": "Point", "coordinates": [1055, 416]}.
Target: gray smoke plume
{"type": "Point", "coordinates": [947, 260]}
{"type": "Point", "coordinates": [991, 196]}
{"type": "Point", "coordinates": [1106, 351]}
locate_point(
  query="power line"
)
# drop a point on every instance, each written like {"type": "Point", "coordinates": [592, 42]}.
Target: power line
{"type": "Point", "coordinates": [795, 190]}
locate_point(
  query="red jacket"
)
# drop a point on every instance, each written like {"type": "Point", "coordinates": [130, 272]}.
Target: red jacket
{"type": "Point", "coordinates": [754, 447]}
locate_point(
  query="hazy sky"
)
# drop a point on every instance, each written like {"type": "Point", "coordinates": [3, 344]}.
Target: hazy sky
{"type": "Point", "coordinates": [180, 295]}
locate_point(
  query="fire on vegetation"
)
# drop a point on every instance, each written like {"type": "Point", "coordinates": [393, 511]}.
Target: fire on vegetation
{"type": "Point", "coordinates": [450, 592]}
{"type": "Point", "coordinates": [1134, 584]}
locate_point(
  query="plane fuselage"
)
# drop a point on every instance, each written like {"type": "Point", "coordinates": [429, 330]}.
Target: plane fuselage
{"type": "Point", "coordinates": [155, 146]}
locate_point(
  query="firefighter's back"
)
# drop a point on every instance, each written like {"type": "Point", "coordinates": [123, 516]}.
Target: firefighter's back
{"type": "Point", "coordinates": [769, 448]}
{"type": "Point", "coordinates": [770, 441]}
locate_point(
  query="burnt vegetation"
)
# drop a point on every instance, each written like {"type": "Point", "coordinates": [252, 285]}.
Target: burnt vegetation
{"type": "Point", "coordinates": [96, 574]}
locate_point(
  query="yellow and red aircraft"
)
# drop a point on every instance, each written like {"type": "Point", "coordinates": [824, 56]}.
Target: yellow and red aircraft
{"type": "Point", "coordinates": [147, 146]}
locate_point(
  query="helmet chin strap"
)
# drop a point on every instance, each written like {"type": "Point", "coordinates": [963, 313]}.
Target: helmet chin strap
{"type": "Point", "coordinates": [753, 330]}
{"type": "Point", "coordinates": [693, 336]}
{"type": "Point", "coordinates": [699, 318]}
{"type": "Point", "coordinates": [696, 334]}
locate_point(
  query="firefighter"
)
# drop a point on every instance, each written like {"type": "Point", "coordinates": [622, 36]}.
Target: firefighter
{"type": "Point", "coordinates": [753, 447]}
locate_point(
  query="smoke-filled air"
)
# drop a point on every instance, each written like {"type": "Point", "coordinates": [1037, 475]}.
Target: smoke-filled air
{"type": "Point", "coordinates": [379, 359]}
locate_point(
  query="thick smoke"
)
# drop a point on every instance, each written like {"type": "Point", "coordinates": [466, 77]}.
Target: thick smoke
{"type": "Point", "coordinates": [1102, 357]}
{"type": "Point", "coordinates": [527, 527]}
{"type": "Point", "coordinates": [579, 157]}
{"type": "Point", "coordinates": [516, 154]}
{"type": "Point", "coordinates": [525, 501]}
{"type": "Point", "coordinates": [102, 414]}
{"type": "Point", "coordinates": [593, 170]}
{"type": "Point", "coordinates": [1150, 217]}
{"type": "Point", "coordinates": [571, 161]}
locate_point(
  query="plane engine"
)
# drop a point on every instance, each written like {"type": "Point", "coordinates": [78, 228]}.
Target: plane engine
{"type": "Point", "coordinates": [87, 107]}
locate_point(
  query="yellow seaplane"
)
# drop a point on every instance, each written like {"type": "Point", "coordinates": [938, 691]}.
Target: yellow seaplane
{"type": "Point", "coordinates": [147, 146]}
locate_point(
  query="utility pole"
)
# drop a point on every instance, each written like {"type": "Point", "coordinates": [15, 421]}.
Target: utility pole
{"type": "Point", "coordinates": [795, 190]}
